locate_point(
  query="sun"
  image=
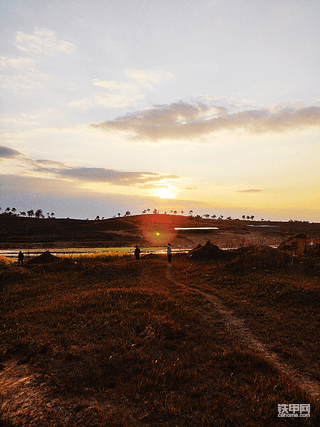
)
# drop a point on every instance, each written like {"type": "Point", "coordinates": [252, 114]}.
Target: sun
{"type": "Point", "coordinates": [164, 193]}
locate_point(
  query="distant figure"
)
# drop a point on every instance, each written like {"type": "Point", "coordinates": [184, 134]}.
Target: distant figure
{"type": "Point", "coordinates": [169, 252]}
{"type": "Point", "coordinates": [20, 258]}
{"type": "Point", "coordinates": [137, 252]}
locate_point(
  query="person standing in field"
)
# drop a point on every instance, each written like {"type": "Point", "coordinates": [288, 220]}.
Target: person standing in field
{"type": "Point", "coordinates": [20, 258]}
{"type": "Point", "coordinates": [137, 252]}
{"type": "Point", "coordinates": [169, 252]}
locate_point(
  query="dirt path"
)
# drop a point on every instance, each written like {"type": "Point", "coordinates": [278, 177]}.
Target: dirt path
{"type": "Point", "coordinates": [237, 327]}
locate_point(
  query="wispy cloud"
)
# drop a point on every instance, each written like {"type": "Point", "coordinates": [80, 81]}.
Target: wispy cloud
{"type": "Point", "coordinates": [122, 94]}
{"type": "Point", "coordinates": [22, 84]}
{"type": "Point", "coordinates": [50, 168]}
{"type": "Point", "coordinates": [148, 78]}
{"type": "Point", "coordinates": [43, 41]}
{"type": "Point", "coordinates": [20, 63]}
{"type": "Point", "coordinates": [6, 152]}
{"type": "Point", "coordinates": [113, 176]}
{"type": "Point", "coordinates": [186, 121]}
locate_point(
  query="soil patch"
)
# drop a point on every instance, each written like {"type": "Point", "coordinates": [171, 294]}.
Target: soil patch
{"type": "Point", "coordinates": [206, 252]}
{"type": "Point", "coordinates": [261, 258]}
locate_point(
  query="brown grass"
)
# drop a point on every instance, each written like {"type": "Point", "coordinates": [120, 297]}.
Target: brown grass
{"type": "Point", "coordinates": [115, 342]}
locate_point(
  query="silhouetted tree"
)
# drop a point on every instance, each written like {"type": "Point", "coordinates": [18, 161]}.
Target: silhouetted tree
{"type": "Point", "coordinates": [127, 213]}
{"type": "Point", "coordinates": [190, 212]}
{"type": "Point", "coordinates": [213, 216]}
{"type": "Point", "coordinates": [39, 213]}
{"type": "Point", "coordinates": [30, 213]}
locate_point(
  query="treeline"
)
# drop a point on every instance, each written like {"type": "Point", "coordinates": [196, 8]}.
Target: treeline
{"type": "Point", "coordinates": [31, 213]}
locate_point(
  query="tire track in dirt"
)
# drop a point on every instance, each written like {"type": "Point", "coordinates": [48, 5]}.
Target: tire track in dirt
{"type": "Point", "coordinates": [244, 334]}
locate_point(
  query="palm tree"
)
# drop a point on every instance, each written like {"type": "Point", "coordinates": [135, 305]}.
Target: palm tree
{"type": "Point", "coordinates": [213, 216]}
{"type": "Point", "coordinates": [243, 217]}
{"type": "Point", "coordinates": [127, 213]}
{"type": "Point", "coordinates": [190, 212]}
{"type": "Point", "coordinates": [30, 213]}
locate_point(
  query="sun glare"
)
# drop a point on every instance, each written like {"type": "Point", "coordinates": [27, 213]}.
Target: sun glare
{"type": "Point", "coordinates": [164, 193]}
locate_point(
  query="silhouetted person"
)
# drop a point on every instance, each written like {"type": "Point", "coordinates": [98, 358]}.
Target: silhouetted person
{"type": "Point", "coordinates": [169, 252]}
{"type": "Point", "coordinates": [20, 258]}
{"type": "Point", "coordinates": [137, 252]}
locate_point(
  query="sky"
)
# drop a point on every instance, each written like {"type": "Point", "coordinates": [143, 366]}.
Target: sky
{"type": "Point", "coordinates": [109, 106]}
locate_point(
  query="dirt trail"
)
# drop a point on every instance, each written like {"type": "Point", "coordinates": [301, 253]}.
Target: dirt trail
{"type": "Point", "coordinates": [237, 327]}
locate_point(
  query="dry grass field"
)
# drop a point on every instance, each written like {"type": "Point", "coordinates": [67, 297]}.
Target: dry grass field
{"type": "Point", "coordinates": [208, 341]}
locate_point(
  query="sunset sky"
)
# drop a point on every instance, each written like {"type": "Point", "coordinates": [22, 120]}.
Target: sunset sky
{"type": "Point", "coordinates": [111, 106]}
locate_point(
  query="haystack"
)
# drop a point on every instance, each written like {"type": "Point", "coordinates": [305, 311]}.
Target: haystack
{"type": "Point", "coordinates": [44, 258]}
{"type": "Point", "coordinates": [206, 252]}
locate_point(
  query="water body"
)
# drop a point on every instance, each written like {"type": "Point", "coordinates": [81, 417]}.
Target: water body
{"type": "Point", "coordinates": [263, 226]}
{"type": "Point", "coordinates": [196, 228]}
{"type": "Point", "coordinates": [10, 253]}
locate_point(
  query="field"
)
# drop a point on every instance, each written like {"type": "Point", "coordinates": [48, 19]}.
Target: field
{"type": "Point", "coordinates": [219, 338]}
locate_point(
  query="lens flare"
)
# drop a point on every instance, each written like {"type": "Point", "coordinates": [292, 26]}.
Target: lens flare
{"type": "Point", "coordinates": [158, 229]}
